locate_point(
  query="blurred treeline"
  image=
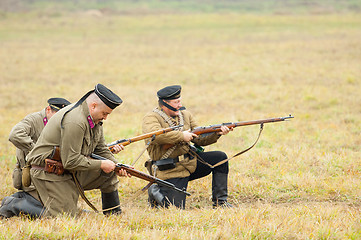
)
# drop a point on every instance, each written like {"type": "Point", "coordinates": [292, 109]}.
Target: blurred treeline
{"type": "Point", "coordinates": [184, 6]}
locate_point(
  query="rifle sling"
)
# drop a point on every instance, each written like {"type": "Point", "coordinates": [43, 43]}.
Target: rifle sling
{"type": "Point", "coordinates": [172, 123]}
{"type": "Point", "coordinates": [82, 194]}
{"type": "Point", "coordinates": [226, 160]}
{"type": "Point", "coordinates": [145, 148]}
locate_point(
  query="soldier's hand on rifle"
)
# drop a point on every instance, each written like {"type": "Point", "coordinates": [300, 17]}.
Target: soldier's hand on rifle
{"type": "Point", "coordinates": [117, 148]}
{"type": "Point", "coordinates": [123, 173]}
{"type": "Point", "coordinates": [107, 166]}
{"type": "Point", "coordinates": [224, 130]}
{"type": "Point", "coordinates": [188, 135]}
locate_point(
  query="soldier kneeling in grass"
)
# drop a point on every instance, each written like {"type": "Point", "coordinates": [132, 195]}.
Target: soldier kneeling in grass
{"type": "Point", "coordinates": [172, 158]}
{"type": "Point", "coordinates": [24, 135]}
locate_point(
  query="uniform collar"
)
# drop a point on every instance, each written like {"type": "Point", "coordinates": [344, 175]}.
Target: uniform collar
{"type": "Point", "coordinates": [90, 121]}
{"type": "Point", "coordinates": [89, 118]}
{"type": "Point", "coordinates": [86, 112]}
{"type": "Point", "coordinates": [45, 121]}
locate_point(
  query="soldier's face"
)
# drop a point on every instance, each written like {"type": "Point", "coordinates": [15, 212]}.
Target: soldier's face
{"type": "Point", "coordinates": [99, 112]}
{"type": "Point", "coordinates": [177, 104]}
{"type": "Point", "coordinates": [49, 112]}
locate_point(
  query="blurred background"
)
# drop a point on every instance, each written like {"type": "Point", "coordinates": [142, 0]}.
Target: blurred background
{"type": "Point", "coordinates": [236, 61]}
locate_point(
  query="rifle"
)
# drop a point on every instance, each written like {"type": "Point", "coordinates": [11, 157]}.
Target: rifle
{"type": "Point", "coordinates": [125, 142]}
{"type": "Point", "coordinates": [54, 165]}
{"type": "Point", "coordinates": [217, 127]}
{"type": "Point", "coordinates": [142, 175]}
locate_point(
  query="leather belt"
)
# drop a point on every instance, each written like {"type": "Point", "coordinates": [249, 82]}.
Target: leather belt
{"type": "Point", "coordinates": [38, 167]}
{"type": "Point", "coordinates": [43, 169]}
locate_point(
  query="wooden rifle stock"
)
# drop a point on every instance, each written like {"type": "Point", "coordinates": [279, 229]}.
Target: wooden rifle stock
{"type": "Point", "coordinates": [125, 142]}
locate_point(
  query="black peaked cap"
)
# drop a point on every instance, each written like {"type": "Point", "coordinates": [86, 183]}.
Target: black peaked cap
{"type": "Point", "coordinates": [58, 103]}
{"type": "Point", "coordinates": [107, 96]}
{"type": "Point", "coordinates": [170, 92]}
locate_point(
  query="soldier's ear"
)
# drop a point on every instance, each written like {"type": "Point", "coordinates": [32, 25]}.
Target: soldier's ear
{"type": "Point", "coordinates": [48, 109]}
{"type": "Point", "coordinates": [93, 105]}
{"type": "Point", "coordinates": [49, 112]}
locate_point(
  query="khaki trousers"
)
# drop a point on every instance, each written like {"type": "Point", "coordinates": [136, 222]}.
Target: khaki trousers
{"type": "Point", "coordinates": [61, 197]}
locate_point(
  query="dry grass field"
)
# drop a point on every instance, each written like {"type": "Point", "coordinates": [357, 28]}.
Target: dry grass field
{"type": "Point", "coordinates": [301, 181]}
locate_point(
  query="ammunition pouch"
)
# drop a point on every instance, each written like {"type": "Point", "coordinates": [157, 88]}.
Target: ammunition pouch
{"type": "Point", "coordinates": [167, 163]}
{"type": "Point", "coordinates": [53, 166]}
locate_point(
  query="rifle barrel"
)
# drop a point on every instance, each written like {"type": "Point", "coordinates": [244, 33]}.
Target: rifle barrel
{"type": "Point", "coordinates": [217, 127]}
{"type": "Point", "coordinates": [268, 120]}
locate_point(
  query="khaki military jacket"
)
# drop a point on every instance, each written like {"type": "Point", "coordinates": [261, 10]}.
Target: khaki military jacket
{"type": "Point", "coordinates": [24, 135]}
{"type": "Point", "coordinates": [77, 136]}
{"type": "Point", "coordinates": [153, 122]}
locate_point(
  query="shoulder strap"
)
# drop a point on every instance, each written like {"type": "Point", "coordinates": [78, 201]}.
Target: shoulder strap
{"type": "Point", "coordinates": [171, 123]}
{"type": "Point", "coordinates": [81, 100]}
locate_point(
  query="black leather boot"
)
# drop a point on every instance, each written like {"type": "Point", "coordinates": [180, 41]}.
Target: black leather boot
{"type": "Point", "coordinates": [25, 205]}
{"type": "Point", "coordinates": [110, 201]}
{"type": "Point", "coordinates": [5, 211]}
{"type": "Point", "coordinates": [155, 197]}
{"type": "Point", "coordinates": [220, 190]}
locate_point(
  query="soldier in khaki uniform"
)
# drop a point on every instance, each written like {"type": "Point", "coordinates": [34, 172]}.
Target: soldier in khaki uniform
{"type": "Point", "coordinates": [77, 130]}
{"type": "Point", "coordinates": [24, 136]}
{"type": "Point", "coordinates": [171, 157]}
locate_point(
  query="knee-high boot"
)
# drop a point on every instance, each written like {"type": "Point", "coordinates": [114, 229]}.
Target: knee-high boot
{"type": "Point", "coordinates": [156, 198]}
{"type": "Point", "coordinates": [111, 201]}
{"type": "Point", "coordinates": [220, 189]}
